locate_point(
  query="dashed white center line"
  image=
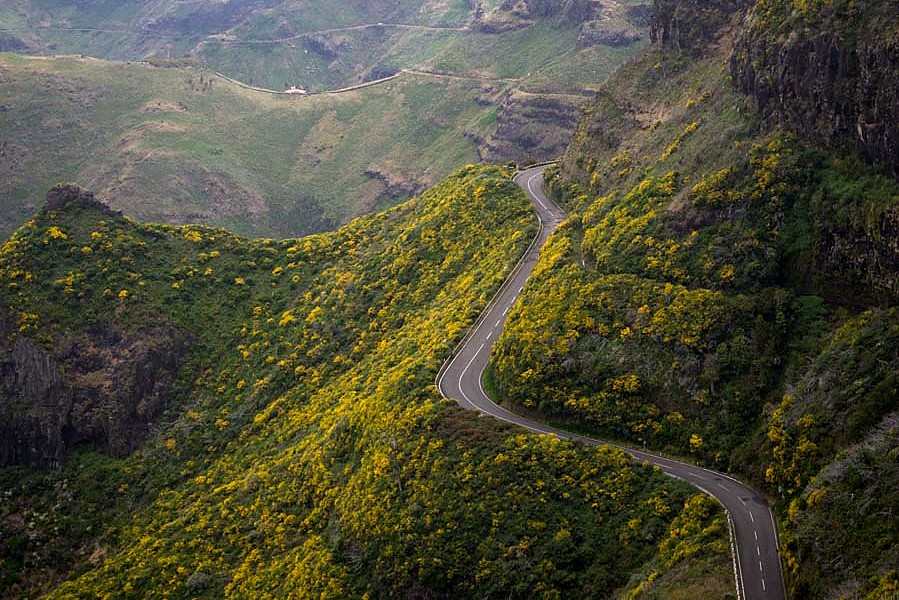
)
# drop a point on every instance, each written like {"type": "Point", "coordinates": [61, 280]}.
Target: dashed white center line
{"type": "Point", "coordinates": [511, 297]}
{"type": "Point", "coordinates": [533, 193]}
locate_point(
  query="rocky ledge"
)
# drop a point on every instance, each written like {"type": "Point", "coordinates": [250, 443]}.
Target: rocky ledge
{"type": "Point", "coordinates": [826, 73]}
{"type": "Point", "coordinates": [102, 388]}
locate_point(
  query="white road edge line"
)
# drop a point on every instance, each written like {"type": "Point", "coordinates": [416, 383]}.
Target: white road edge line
{"type": "Point", "coordinates": [731, 530]}
{"type": "Point", "coordinates": [498, 413]}
{"type": "Point", "coordinates": [780, 569]}
{"type": "Point", "coordinates": [462, 376]}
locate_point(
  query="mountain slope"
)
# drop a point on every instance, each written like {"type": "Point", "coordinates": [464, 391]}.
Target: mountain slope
{"type": "Point", "coordinates": [301, 447]}
{"type": "Point", "coordinates": [496, 82]}
{"type": "Point", "coordinates": [726, 289]}
{"type": "Point", "coordinates": [329, 45]}
{"type": "Point", "coordinates": [179, 145]}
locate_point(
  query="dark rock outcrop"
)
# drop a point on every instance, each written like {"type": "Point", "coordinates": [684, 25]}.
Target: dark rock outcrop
{"type": "Point", "coordinates": [531, 128]}
{"type": "Point", "coordinates": [379, 72]}
{"type": "Point", "coordinates": [864, 263]}
{"type": "Point", "coordinates": [396, 187]}
{"type": "Point", "coordinates": [9, 43]}
{"type": "Point", "coordinates": [831, 77]}
{"type": "Point", "coordinates": [104, 388]}
{"type": "Point", "coordinates": [594, 33]}
{"type": "Point", "coordinates": [62, 195]}
{"type": "Point", "coordinates": [690, 25]}
{"type": "Point", "coordinates": [327, 49]}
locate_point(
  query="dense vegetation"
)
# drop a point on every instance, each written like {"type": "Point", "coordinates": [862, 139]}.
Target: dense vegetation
{"type": "Point", "coordinates": [307, 452]}
{"type": "Point", "coordinates": [726, 291]}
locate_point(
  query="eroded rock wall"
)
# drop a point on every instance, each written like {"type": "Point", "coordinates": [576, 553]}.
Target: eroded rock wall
{"type": "Point", "coordinates": [827, 73]}
{"type": "Point", "coordinates": [104, 388]}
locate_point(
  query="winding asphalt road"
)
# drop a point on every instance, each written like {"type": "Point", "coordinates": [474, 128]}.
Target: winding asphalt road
{"type": "Point", "coordinates": [757, 569]}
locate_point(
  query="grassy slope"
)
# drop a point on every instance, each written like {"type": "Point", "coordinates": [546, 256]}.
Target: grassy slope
{"type": "Point", "coordinates": [162, 144]}
{"type": "Point", "coordinates": [544, 56]}
{"type": "Point", "coordinates": [165, 144]}
{"type": "Point", "coordinates": [309, 452]}
{"type": "Point", "coordinates": [168, 19]}
{"type": "Point", "coordinates": [729, 293]}
{"type": "Point", "coordinates": [176, 30]}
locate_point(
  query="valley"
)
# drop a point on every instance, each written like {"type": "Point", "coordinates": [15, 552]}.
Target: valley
{"type": "Point", "coordinates": [220, 368]}
{"type": "Point", "coordinates": [461, 378]}
{"type": "Point", "coordinates": [289, 164]}
{"type": "Point", "coordinates": [303, 447]}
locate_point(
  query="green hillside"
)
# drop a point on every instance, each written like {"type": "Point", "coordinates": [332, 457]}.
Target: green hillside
{"type": "Point", "coordinates": [187, 412]}
{"type": "Point", "coordinates": [325, 45]}
{"type": "Point", "coordinates": [726, 289]}
{"type": "Point", "coordinates": [179, 145]}
{"type": "Point", "coordinates": [165, 139]}
{"type": "Point", "coordinates": [305, 450]}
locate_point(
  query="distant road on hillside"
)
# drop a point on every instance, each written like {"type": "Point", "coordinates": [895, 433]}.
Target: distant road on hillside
{"type": "Point", "coordinates": [298, 36]}
{"type": "Point", "coordinates": [220, 38]}
{"type": "Point", "coordinates": [757, 568]}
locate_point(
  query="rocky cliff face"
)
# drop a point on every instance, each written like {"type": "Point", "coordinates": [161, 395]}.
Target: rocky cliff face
{"type": "Point", "coordinates": [827, 73]}
{"type": "Point", "coordinates": [515, 14]}
{"type": "Point", "coordinates": [691, 24]}
{"type": "Point", "coordinates": [104, 388]}
{"type": "Point", "coordinates": [865, 260]}
{"type": "Point", "coordinates": [530, 128]}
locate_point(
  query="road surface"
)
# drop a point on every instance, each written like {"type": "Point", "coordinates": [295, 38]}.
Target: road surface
{"type": "Point", "coordinates": [757, 569]}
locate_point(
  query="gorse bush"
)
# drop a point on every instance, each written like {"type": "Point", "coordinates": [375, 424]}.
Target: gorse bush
{"type": "Point", "coordinates": [726, 291]}
{"type": "Point", "coordinates": [308, 453]}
